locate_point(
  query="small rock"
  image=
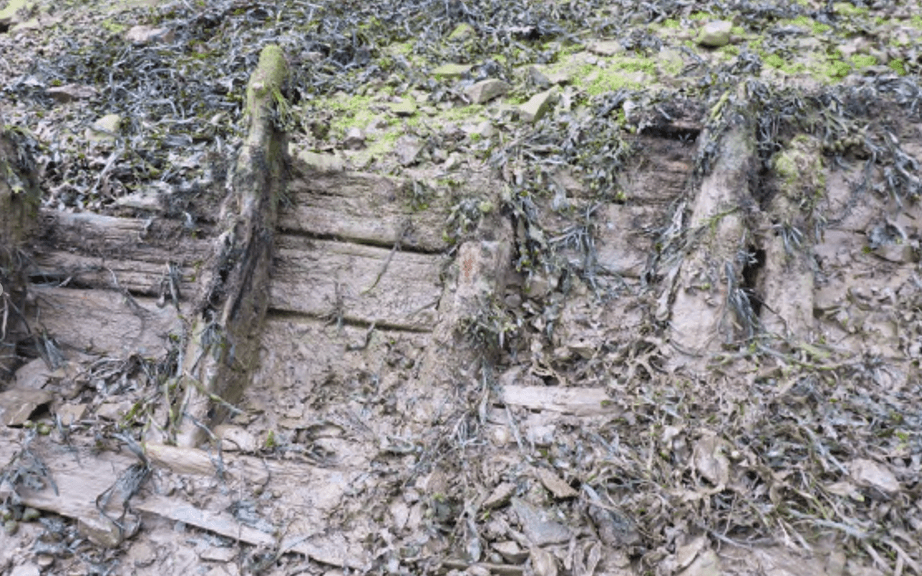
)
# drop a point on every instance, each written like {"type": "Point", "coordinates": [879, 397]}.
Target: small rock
{"type": "Point", "coordinates": [17, 406]}
{"type": "Point", "coordinates": [113, 410]}
{"type": "Point", "coordinates": [538, 105]}
{"type": "Point", "coordinates": [140, 555]}
{"type": "Point", "coordinates": [538, 526]}
{"type": "Point", "coordinates": [706, 564]}
{"type": "Point", "coordinates": [10, 527]}
{"type": "Point", "coordinates": [486, 90]}
{"type": "Point", "coordinates": [543, 562]}
{"type": "Point", "coordinates": [541, 434]}
{"type": "Point", "coordinates": [30, 515]}
{"type": "Point", "coordinates": [319, 162]}
{"type": "Point", "coordinates": [540, 285]}
{"type": "Point", "coordinates": [606, 47]}
{"type": "Point", "coordinates": [218, 554]}
{"type": "Point", "coordinates": [715, 34]}
{"type": "Point", "coordinates": [71, 92]}
{"type": "Point", "coordinates": [870, 474]}
{"type": "Point", "coordinates": [148, 198]}
{"type": "Point", "coordinates": [100, 531]}
{"type": "Point", "coordinates": [500, 495]}
{"type": "Point", "coordinates": [105, 129]}
{"type": "Point", "coordinates": [900, 253]}
{"type": "Point", "coordinates": [236, 438]}
{"type": "Point", "coordinates": [44, 561]}
{"type": "Point", "coordinates": [555, 485]}
{"type": "Point", "coordinates": [406, 107]}
{"type": "Point", "coordinates": [407, 149]}
{"type": "Point", "coordinates": [511, 552]}
{"type": "Point", "coordinates": [26, 570]}
{"type": "Point", "coordinates": [354, 139]}
{"type": "Point", "coordinates": [452, 70]}
{"type": "Point", "coordinates": [483, 130]}
{"type": "Point", "coordinates": [461, 33]}
{"type": "Point", "coordinates": [142, 34]}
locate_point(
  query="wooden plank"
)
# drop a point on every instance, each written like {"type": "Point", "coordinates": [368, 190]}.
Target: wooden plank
{"type": "Point", "coordinates": [137, 276]}
{"type": "Point", "coordinates": [363, 284]}
{"type": "Point", "coordinates": [363, 207]}
{"type": "Point", "coordinates": [97, 251]}
{"type": "Point", "coordinates": [158, 240]}
{"type": "Point", "coordinates": [576, 401]}
{"type": "Point", "coordinates": [102, 321]}
{"type": "Point", "coordinates": [79, 477]}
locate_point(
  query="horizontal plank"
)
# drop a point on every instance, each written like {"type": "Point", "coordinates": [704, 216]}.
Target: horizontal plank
{"type": "Point", "coordinates": [102, 321]}
{"type": "Point", "coordinates": [576, 401]}
{"type": "Point", "coordinates": [365, 208]}
{"type": "Point", "coordinates": [358, 283]}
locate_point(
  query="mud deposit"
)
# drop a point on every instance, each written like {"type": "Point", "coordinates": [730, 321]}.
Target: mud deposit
{"type": "Point", "coordinates": [519, 289]}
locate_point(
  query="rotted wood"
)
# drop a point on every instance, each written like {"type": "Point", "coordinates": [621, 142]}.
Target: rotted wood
{"type": "Point", "coordinates": [224, 337]}
{"type": "Point", "coordinates": [701, 319]}
{"type": "Point", "coordinates": [104, 491]}
{"type": "Point", "coordinates": [19, 198]}
{"type": "Point", "coordinates": [96, 251]}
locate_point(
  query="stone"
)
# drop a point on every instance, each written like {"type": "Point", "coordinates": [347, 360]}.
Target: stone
{"type": "Point", "coordinates": [606, 47]}
{"type": "Point", "coordinates": [113, 411]}
{"type": "Point", "coordinates": [511, 552]}
{"type": "Point", "coordinates": [543, 562]}
{"type": "Point", "coordinates": [544, 76]}
{"type": "Point", "coordinates": [100, 531]}
{"type": "Point", "coordinates": [104, 130]}
{"type": "Point", "coordinates": [555, 484]}
{"type": "Point", "coordinates": [141, 554]}
{"type": "Point", "coordinates": [143, 34]}
{"type": "Point", "coordinates": [538, 526]}
{"type": "Point", "coordinates": [354, 139]}
{"type": "Point", "coordinates": [715, 34]}
{"type": "Point", "coordinates": [486, 90]}
{"type": "Point", "coordinates": [538, 105]}
{"type": "Point", "coordinates": [406, 107]}
{"type": "Point", "coordinates": [218, 554]}
{"type": "Point", "coordinates": [236, 438]}
{"type": "Point", "coordinates": [26, 570]}
{"type": "Point", "coordinates": [500, 495]}
{"type": "Point", "coordinates": [317, 161]}
{"type": "Point", "coordinates": [452, 70]}
{"type": "Point", "coordinates": [461, 33]}
{"type": "Point", "coordinates": [407, 149]}
{"type": "Point", "coordinates": [873, 475]}
{"type": "Point", "coordinates": [17, 406]}
{"type": "Point", "coordinates": [899, 253]}
{"type": "Point", "coordinates": [705, 564]}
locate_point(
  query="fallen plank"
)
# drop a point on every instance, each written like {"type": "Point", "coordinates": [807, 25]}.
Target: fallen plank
{"type": "Point", "coordinates": [365, 208]}
{"type": "Point", "coordinates": [78, 478]}
{"type": "Point", "coordinates": [576, 401]}
{"type": "Point", "coordinates": [358, 283]}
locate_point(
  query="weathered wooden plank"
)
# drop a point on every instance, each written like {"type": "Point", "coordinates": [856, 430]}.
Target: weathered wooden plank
{"type": "Point", "coordinates": [366, 208]}
{"type": "Point", "coordinates": [576, 401]}
{"type": "Point", "coordinates": [137, 276]}
{"type": "Point", "coordinates": [358, 283]}
{"type": "Point", "coordinates": [157, 240]}
{"type": "Point", "coordinates": [78, 478]}
{"type": "Point", "coordinates": [102, 321]}
{"type": "Point", "coordinates": [97, 251]}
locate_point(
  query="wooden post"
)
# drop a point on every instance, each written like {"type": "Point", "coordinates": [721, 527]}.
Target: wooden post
{"type": "Point", "coordinates": [223, 342]}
